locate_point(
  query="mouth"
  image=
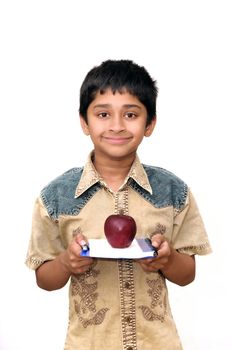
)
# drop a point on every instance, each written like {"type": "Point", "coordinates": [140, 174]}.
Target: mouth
{"type": "Point", "coordinates": [117, 140]}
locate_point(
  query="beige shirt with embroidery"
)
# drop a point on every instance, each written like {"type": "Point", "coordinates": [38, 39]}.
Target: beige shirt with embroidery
{"type": "Point", "coordinates": [116, 305]}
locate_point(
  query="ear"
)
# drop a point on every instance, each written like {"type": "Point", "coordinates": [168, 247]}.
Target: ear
{"type": "Point", "coordinates": [149, 128]}
{"type": "Point", "coordinates": [84, 125]}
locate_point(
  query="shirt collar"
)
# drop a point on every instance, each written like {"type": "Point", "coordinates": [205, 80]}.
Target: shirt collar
{"type": "Point", "coordinates": [90, 176]}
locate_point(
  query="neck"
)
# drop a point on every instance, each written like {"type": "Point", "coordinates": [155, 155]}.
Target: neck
{"type": "Point", "coordinates": [113, 171]}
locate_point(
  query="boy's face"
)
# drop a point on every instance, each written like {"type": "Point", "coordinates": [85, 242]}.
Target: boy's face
{"type": "Point", "coordinates": [116, 124]}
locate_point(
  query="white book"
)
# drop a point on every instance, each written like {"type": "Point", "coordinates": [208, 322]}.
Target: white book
{"type": "Point", "coordinates": [139, 248]}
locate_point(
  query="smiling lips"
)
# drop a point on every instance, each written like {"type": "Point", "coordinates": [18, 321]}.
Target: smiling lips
{"type": "Point", "coordinates": [117, 140]}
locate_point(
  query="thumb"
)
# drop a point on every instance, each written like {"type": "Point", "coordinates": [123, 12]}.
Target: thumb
{"type": "Point", "coordinates": [157, 240]}
{"type": "Point", "coordinates": [81, 240]}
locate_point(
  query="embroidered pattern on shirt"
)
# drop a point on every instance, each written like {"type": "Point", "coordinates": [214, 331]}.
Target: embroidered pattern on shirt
{"type": "Point", "coordinates": [126, 283]}
{"type": "Point", "coordinates": [121, 201]}
{"type": "Point", "coordinates": [34, 262]}
{"type": "Point", "coordinates": [202, 248]}
{"type": "Point", "coordinates": [127, 301]}
{"type": "Point", "coordinates": [158, 300]}
{"type": "Point", "coordinates": [159, 229]}
{"type": "Point", "coordinates": [84, 289]}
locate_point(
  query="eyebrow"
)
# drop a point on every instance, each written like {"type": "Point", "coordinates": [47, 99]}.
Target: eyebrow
{"type": "Point", "coordinates": [107, 105]}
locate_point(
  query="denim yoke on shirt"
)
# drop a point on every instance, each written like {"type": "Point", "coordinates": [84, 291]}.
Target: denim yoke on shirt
{"type": "Point", "coordinates": [59, 197]}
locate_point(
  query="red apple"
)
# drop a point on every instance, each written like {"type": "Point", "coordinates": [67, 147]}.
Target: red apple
{"type": "Point", "coordinates": [120, 230]}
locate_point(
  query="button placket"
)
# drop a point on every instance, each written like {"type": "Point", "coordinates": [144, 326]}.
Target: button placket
{"type": "Point", "coordinates": [127, 301]}
{"type": "Point", "coordinates": [126, 279]}
{"type": "Point", "coordinates": [127, 285]}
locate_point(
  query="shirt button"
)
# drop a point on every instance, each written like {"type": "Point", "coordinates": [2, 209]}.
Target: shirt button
{"type": "Point", "coordinates": [127, 319]}
{"type": "Point", "coordinates": [127, 285]}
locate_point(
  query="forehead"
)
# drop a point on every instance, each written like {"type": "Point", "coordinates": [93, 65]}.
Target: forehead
{"type": "Point", "coordinates": [115, 99]}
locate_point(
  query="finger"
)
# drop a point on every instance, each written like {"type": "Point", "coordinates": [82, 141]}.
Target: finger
{"type": "Point", "coordinates": [81, 265]}
{"type": "Point", "coordinates": [157, 240]}
{"type": "Point", "coordinates": [74, 249]}
{"type": "Point", "coordinates": [82, 241]}
{"type": "Point", "coordinates": [79, 242]}
{"type": "Point", "coordinates": [150, 267]}
{"type": "Point", "coordinates": [164, 250]}
{"type": "Point", "coordinates": [84, 262]}
{"type": "Point", "coordinates": [153, 264]}
{"type": "Point", "coordinates": [82, 269]}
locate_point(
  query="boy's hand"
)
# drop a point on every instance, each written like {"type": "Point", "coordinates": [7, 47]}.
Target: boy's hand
{"type": "Point", "coordinates": [73, 261]}
{"type": "Point", "coordinates": [161, 261]}
{"type": "Point", "coordinates": [54, 274]}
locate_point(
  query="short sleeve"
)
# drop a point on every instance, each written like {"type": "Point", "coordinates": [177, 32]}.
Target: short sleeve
{"type": "Point", "coordinates": [189, 234]}
{"type": "Point", "coordinates": [45, 242]}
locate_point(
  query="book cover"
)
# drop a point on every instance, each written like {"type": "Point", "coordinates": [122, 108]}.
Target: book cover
{"type": "Point", "coordinates": [139, 248]}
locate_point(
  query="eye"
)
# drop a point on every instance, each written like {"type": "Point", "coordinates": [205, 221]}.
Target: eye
{"type": "Point", "coordinates": [130, 115]}
{"type": "Point", "coordinates": [103, 115]}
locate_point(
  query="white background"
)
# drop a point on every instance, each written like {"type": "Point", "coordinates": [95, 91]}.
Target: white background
{"type": "Point", "coordinates": [47, 47]}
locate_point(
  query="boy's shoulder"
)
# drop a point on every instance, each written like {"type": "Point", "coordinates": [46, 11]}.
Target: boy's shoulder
{"type": "Point", "coordinates": [167, 188]}
{"type": "Point", "coordinates": [69, 177]}
{"type": "Point", "coordinates": [161, 174]}
{"type": "Point", "coordinates": [59, 195]}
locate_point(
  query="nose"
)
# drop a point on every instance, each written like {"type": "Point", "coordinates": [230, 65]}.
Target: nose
{"type": "Point", "coordinates": [116, 123]}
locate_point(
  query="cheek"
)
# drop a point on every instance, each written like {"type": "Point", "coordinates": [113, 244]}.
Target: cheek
{"type": "Point", "coordinates": [139, 131]}
{"type": "Point", "coordinates": [95, 133]}
{"type": "Point", "coordinates": [94, 129]}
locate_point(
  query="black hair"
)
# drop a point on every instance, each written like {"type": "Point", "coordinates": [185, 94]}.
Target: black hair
{"type": "Point", "coordinates": [119, 76]}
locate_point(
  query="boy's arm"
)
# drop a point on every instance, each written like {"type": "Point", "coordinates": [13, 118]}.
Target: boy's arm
{"type": "Point", "coordinates": [54, 274]}
{"type": "Point", "coordinates": [176, 267]}
{"type": "Point", "coordinates": [180, 268]}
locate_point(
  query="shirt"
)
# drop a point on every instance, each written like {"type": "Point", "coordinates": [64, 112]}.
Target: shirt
{"type": "Point", "coordinates": [116, 304]}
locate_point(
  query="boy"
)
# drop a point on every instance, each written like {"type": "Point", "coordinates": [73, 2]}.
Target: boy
{"type": "Point", "coordinates": [117, 304]}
